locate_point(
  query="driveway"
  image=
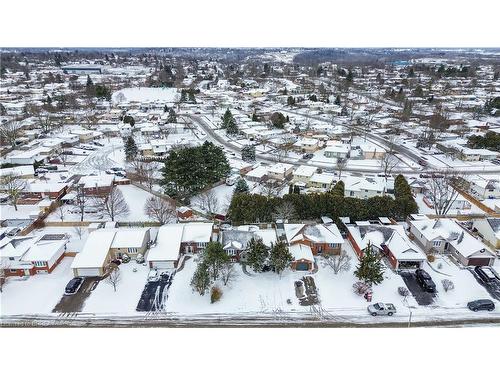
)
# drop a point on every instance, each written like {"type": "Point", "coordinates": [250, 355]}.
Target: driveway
{"type": "Point", "coordinates": [422, 297]}
{"type": "Point", "coordinates": [492, 288]}
{"type": "Point", "coordinates": [152, 297]}
{"type": "Point", "coordinates": [75, 302]}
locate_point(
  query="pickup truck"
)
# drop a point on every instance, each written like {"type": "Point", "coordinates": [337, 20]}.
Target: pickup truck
{"type": "Point", "coordinates": [380, 308]}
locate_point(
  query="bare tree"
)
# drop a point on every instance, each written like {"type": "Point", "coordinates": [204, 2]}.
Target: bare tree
{"type": "Point", "coordinates": [81, 200]}
{"type": "Point", "coordinates": [114, 277]}
{"type": "Point", "coordinates": [60, 212]}
{"type": "Point", "coordinates": [341, 164]}
{"type": "Point", "coordinates": [63, 157]}
{"type": "Point", "coordinates": [160, 210]}
{"type": "Point", "coordinates": [208, 201]}
{"type": "Point", "coordinates": [271, 188]}
{"type": "Point", "coordinates": [441, 191]}
{"type": "Point", "coordinates": [340, 262]}
{"type": "Point", "coordinates": [13, 185]}
{"type": "Point", "coordinates": [9, 132]}
{"type": "Point", "coordinates": [228, 273]}
{"type": "Point", "coordinates": [388, 163]}
{"type": "Point", "coordinates": [284, 211]}
{"type": "Point", "coordinates": [78, 231]}
{"type": "Point", "coordinates": [3, 267]}
{"type": "Point", "coordinates": [113, 204]}
{"type": "Point", "coordinates": [447, 285]}
{"type": "Point", "coordinates": [145, 172]}
{"type": "Point", "coordinates": [47, 123]}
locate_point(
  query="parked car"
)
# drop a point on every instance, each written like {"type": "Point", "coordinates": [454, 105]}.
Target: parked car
{"type": "Point", "coordinates": [120, 174]}
{"type": "Point", "coordinates": [380, 308]}
{"type": "Point", "coordinates": [308, 156]}
{"type": "Point", "coordinates": [425, 281]}
{"type": "Point", "coordinates": [117, 169]}
{"type": "Point", "coordinates": [485, 274]}
{"type": "Point", "coordinates": [98, 143]}
{"type": "Point", "coordinates": [73, 286]}
{"type": "Point", "coordinates": [481, 304]}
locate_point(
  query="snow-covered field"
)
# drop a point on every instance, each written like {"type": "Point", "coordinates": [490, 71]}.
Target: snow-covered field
{"type": "Point", "coordinates": [143, 94]}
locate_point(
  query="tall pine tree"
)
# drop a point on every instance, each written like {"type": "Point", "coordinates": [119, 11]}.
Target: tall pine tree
{"type": "Point", "coordinates": [370, 268]}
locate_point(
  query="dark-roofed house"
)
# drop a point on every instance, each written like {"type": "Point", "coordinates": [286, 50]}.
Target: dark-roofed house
{"type": "Point", "coordinates": [390, 240]}
{"type": "Point", "coordinates": [235, 242]}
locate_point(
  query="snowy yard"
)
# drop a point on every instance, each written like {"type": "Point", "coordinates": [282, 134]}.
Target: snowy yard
{"type": "Point", "coordinates": [37, 294]}
{"type": "Point", "coordinates": [104, 300]}
{"type": "Point", "coordinates": [143, 94]}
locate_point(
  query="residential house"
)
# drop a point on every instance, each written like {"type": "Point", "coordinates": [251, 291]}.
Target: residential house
{"type": "Point", "coordinates": [321, 238]}
{"type": "Point", "coordinates": [390, 240]}
{"type": "Point", "coordinates": [303, 258]}
{"type": "Point", "coordinates": [322, 181]}
{"type": "Point", "coordinates": [280, 171]}
{"type": "Point", "coordinates": [371, 151]}
{"type": "Point", "coordinates": [447, 236]}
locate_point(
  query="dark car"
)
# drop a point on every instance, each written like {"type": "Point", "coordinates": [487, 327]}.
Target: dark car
{"type": "Point", "coordinates": [486, 274]}
{"type": "Point", "coordinates": [481, 304]}
{"type": "Point", "coordinates": [425, 281]}
{"type": "Point", "coordinates": [73, 286]}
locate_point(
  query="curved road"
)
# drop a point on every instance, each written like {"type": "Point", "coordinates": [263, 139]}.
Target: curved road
{"type": "Point", "coordinates": [398, 148]}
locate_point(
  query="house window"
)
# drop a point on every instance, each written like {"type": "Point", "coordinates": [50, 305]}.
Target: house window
{"type": "Point", "coordinates": [11, 258]}
{"type": "Point", "coordinates": [436, 243]}
{"type": "Point", "coordinates": [39, 263]}
{"type": "Point", "coordinates": [132, 250]}
{"type": "Point", "coordinates": [13, 271]}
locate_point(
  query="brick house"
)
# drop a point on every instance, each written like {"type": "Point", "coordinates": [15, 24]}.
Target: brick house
{"type": "Point", "coordinates": [321, 238]}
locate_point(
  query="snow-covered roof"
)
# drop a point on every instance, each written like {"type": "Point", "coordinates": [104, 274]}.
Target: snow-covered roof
{"type": "Point", "coordinates": [318, 233]}
{"type": "Point", "coordinates": [301, 251]}
{"type": "Point", "coordinates": [305, 171]}
{"type": "Point", "coordinates": [44, 251]}
{"type": "Point", "coordinates": [128, 237]}
{"type": "Point", "coordinates": [95, 250]}
{"type": "Point", "coordinates": [197, 232]}
{"type": "Point", "coordinates": [168, 243]}
{"type": "Point", "coordinates": [450, 231]}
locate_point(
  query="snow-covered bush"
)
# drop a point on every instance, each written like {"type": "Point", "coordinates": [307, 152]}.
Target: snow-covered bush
{"type": "Point", "coordinates": [360, 288]}
{"type": "Point", "coordinates": [447, 285]}
{"type": "Point", "coordinates": [403, 292]}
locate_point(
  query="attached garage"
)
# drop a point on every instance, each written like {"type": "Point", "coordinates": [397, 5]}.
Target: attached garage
{"type": "Point", "coordinates": [480, 262]}
{"type": "Point", "coordinates": [88, 272]}
{"type": "Point", "coordinates": [303, 257]}
{"type": "Point", "coordinates": [158, 264]}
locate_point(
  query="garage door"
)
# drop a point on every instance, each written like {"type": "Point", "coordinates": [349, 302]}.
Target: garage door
{"type": "Point", "coordinates": [89, 272]}
{"type": "Point", "coordinates": [479, 262]}
{"type": "Point", "coordinates": [162, 264]}
{"type": "Point", "coordinates": [302, 266]}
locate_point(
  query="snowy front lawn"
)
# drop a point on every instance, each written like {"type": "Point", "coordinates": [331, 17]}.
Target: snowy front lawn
{"type": "Point", "coordinates": [104, 300]}
{"type": "Point", "coordinates": [37, 294]}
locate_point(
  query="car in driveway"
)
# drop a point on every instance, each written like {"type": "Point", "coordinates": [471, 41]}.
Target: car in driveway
{"type": "Point", "coordinates": [481, 304]}
{"type": "Point", "coordinates": [425, 281]}
{"type": "Point", "coordinates": [380, 308]}
{"type": "Point", "coordinates": [73, 286]}
{"type": "Point", "coordinates": [486, 274]}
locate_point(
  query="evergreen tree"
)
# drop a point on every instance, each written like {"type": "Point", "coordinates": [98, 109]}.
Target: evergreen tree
{"type": "Point", "coordinates": [200, 281]}
{"type": "Point", "coordinates": [339, 189]}
{"type": "Point", "coordinates": [192, 98]}
{"type": "Point", "coordinates": [291, 101]}
{"type": "Point", "coordinates": [278, 119]}
{"type": "Point", "coordinates": [254, 117]}
{"type": "Point", "coordinates": [214, 257]}
{"type": "Point", "coordinates": [350, 76]}
{"type": "Point", "coordinates": [280, 257]}
{"type": "Point", "coordinates": [241, 186]}
{"type": "Point", "coordinates": [227, 118]}
{"type": "Point", "coordinates": [183, 96]}
{"type": "Point", "coordinates": [130, 149]}
{"type": "Point", "coordinates": [172, 117]}
{"type": "Point", "coordinates": [248, 153]}
{"type": "Point", "coordinates": [231, 127]}
{"type": "Point", "coordinates": [337, 100]}
{"type": "Point", "coordinates": [257, 254]}
{"type": "Point", "coordinates": [370, 268]}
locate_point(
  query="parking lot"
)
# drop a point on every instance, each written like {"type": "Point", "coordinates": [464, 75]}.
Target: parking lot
{"type": "Point", "coordinates": [493, 288]}
{"type": "Point", "coordinates": [75, 302]}
{"type": "Point", "coordinates": [154, 294]}
{"type": "Point", "coordinates": [422, 297]}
